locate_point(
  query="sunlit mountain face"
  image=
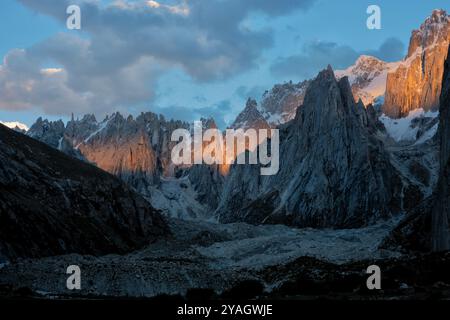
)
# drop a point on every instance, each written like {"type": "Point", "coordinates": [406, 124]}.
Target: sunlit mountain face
{"type": "Point", "coordinates": [223, 147]}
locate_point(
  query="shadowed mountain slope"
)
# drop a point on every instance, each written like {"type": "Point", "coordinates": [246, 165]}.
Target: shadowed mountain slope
{"type": "Point", "coordinates": [53, 204]}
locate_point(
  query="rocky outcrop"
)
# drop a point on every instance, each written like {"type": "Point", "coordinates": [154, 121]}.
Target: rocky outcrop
{"type": "Point", "coordinates": [77, 131]}
{"type": "Point", "coordinates": [333, 172]}
{"type": "Point", "coordinates": [52, 204]}
{"type": "Point", "coordinates": [53, 133]}
{"type": "Point", "coordinates": [49, 132]}
{"type": "Point", "coordinates": [417, 81]}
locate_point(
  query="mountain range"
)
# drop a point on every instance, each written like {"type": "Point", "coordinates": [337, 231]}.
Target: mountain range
{"type": "Point", "coordinates": [393, 88]}
{"type": "Point", "coordinates": [137, 150]}
{"type": "Point", "coordinates": [364, 160]}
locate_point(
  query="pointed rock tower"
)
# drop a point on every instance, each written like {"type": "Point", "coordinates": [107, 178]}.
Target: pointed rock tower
{"type": "Point", "coordinates": [333, 172]}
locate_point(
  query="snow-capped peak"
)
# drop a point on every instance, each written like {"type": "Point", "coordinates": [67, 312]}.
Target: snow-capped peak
{"type": "Point", "coordinates": [15, 125]}
{"type": "Point", "coordinates": [368, 59]}
{"type": "Point", "coordinates": [367, 77]}
{"type": "Point", "coordinates": [279, 105]}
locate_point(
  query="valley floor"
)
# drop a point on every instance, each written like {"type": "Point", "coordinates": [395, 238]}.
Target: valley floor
{"type": "Point", "coordinates": [203, 255]}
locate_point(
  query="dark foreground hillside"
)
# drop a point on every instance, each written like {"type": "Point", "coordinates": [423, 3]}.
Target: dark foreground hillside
{"type": "Point", "coordinates": [52, 204]}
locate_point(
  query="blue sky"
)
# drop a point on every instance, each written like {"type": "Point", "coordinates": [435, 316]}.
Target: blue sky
{"type": "Point", "coordinates": [186, 58]}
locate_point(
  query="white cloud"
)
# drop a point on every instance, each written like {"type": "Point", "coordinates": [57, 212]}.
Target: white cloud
{"type": "Point", "coordinates": [153, 4]}
{"type": "Point", "coordinates": [125, 46]}
{"type": "Point", "coordinates": [51, 71]}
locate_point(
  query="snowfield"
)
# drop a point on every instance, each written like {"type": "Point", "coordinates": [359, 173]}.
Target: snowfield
{"type": "Point", "coordinates": [403, 130]}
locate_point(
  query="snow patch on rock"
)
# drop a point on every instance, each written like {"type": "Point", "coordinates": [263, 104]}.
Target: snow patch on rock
{"type": "Point", "coordinates": [403, 130]}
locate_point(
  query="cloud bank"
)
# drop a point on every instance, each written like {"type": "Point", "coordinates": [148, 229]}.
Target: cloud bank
{"type": "Point", "coordinates": [125, 46]}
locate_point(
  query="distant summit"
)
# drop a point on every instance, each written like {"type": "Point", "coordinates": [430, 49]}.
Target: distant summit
{"type": "Point", "coordinates": [250, 118]}
{"type": "Point", "coordinates": [18, 126]}
{"type": "Point", "coordinates": [367, 78]}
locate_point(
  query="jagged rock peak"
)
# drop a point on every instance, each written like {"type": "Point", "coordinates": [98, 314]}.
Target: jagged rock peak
{"type": "Point", "coordinates": [441, 214]}
{"type": "Point", "coordinates": [326, 74]}
{"type": "Point", "coordinates": [438, 16]}
{"type": "Point", "coordinates": [49, 132]}
{"type": "Point", "coordinates": [117, 117]}
{"type": "Point", "coordinates": [324, 88]}
{"type": "Point", "coordinates": [324, 82]}
{"type": "Point", "coordinates": [250, 117]}
{"type": "Point", "coordinates": [364, 59]}
{"type": "Point", "coordinates": [280, 104]}
{"type": "Point", "coordinates": [416, 83]}
{"type": "Point", "coordinates": [444, 111]}
{"type": "Point", "coordinates": [328, 173]}
{"type": "Point", "coordinates": [89, 118]}
{"type": "Point", "coordinates": [251, 103]}
{"type": "Point", "coordinates": [433, 30]}
{"type": "Point", "coordinates": [367, 63]}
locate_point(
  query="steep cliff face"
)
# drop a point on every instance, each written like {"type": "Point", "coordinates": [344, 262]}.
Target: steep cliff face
{"type": "Point", "coordinates": [208, 179]}
{"type": "Point", "coordinates": [123, 149]}
{"type": "Point", "coordinates": [417, 81]}
{"type": "Point", "coordinates": [53, 204]}
{"type": "Point", "coordinates": [426, 226]}
{"type": "Point", "coordinates": [47, 131]}
{"type": "Point", "coordinates": [441, 211]}
{"type": "Point", "coordinates": [333, 173]}
{"type": "Point", "coordinates": [137, 150]}
{"type": "Point", "coordinates": [132, 146]}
